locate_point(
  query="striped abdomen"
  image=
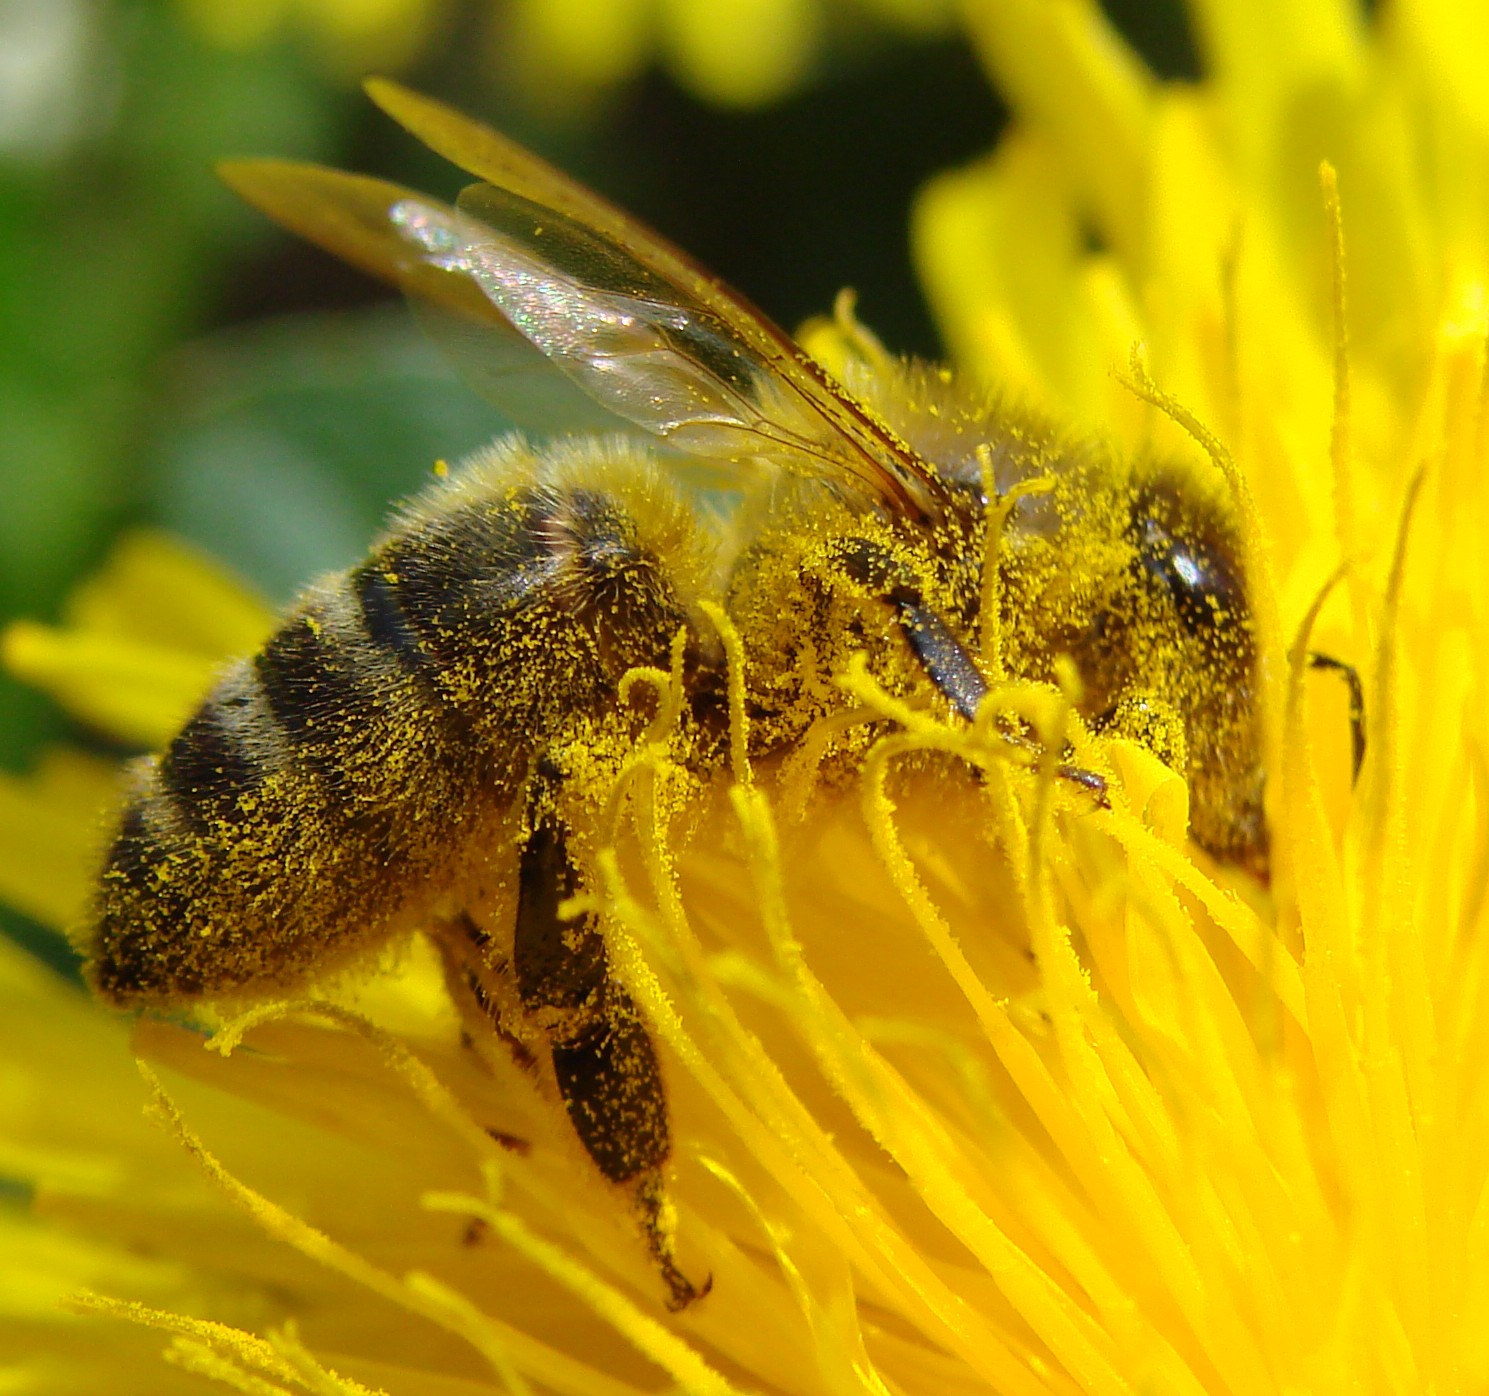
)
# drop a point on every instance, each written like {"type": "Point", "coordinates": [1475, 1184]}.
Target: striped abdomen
{"type": "Point", "coordinates": [335, 783]}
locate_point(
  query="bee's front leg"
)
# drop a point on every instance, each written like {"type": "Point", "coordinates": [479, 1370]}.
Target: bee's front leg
{"type": "Point", "coordinates": [944, 657]}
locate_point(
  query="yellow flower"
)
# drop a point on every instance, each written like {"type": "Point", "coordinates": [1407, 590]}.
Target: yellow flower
{"type": "Point", "coordinates": [737, 53]}
{"type": "Point", "coordinates": [971, 1093]}
{"type": "Point", "coordinates": [350, 35]}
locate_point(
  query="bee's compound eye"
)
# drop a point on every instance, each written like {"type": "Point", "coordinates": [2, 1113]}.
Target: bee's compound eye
{"type": "Point", "coordinates": [1197, 572]}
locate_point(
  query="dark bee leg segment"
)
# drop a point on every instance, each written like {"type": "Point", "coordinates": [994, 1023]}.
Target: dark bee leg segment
{"type": "Point", "coordinates": [603, 1059]}
{"type": "Point", "coordinates": [611, 1085]}
{"type": "Point", "coordinates": [612, 1088]}
{"type": "Point", "coordinates": [956, 674]}
{"type": "Point", "coordinates": [1351, 677]}
{"type": "Point", "coordinates": [945, 659]}
{"type": "Point", "coordinates": [559, 965]}
{"type": "Point", "coordinates": [462, 947]}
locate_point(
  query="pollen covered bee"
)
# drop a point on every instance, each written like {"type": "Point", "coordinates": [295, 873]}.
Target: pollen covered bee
{"type": "Point", "coordinates": [406, 751]}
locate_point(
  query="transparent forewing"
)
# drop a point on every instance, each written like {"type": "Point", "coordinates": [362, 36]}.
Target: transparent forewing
{"type": "Point", "coordinates": [637, 323]}
{"type": "Point", "coordinates": [351, 216]}
{"type": "Point", "coordinates": [646, 352]}
{"type": "Point", "coordinates": [505, 369]}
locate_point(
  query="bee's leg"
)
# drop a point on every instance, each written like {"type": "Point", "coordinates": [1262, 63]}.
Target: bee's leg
{"type": "Point", "coordinates": [463, 949]}
{"type": "Point", "coordinates": [946, 661]}
{"type": "Point", "coordinates": [463, 946]}
{"type": "Point", "coordinates": [1351, 677]}
{"type": "Point", "coordinates": [603, 1059]}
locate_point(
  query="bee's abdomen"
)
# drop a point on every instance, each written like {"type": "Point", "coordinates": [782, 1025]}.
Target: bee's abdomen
{"type": "Point", "coordinates": [319, 786]}
{"type": "Point", "coordinates": [334, 783]}
{"type": "Point", "coordinates": [524, 607]}
{"type": "Point", "coordinates": [210, 772]}
{"type": "Point", "coordinates": [386, 623]}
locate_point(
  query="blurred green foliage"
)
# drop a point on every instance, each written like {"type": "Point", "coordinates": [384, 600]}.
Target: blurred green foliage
{"type": "Point", "coordinates": [112, 241]}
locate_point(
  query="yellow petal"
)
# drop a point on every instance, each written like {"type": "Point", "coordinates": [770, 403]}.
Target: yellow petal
{"type": "Point", "coordinates": [1269, 58]}
{"type": "Point", "coordinates": [137, 692]}
{"type": "Point", "coordinates": [51, 825]}
{"type": "Point", "coordinates": [142, 640]}
{"type": "Point", "coordinates": [1453, 39]}
{"type": "Point", "coordinates": [743, 53]}
{"type": "Point", "coordinates": [155, 588]}
{"type": "Point", "coordinates": [1068, 74]}
{"type": "Point", "coordinates": [997, 245]}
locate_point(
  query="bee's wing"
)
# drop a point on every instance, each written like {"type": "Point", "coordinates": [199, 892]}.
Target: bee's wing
{"type": "Point", "coordinates": [638, 324]}
{"type": "Point", "coordinates": [350, 216]}
{"type": "Point", "coordinates": [514, 376]}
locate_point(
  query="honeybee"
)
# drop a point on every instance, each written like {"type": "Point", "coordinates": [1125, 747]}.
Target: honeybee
{"type": "Point", "coordinates": [409, 750]}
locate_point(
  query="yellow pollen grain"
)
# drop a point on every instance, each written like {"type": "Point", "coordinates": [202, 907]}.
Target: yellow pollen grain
{"type": "Point", "coordinates": [801, 768]}
{"type": "Point", "coordinates": [202, 1361]}
{"type": "Point", "coordinates": [219, 1339]}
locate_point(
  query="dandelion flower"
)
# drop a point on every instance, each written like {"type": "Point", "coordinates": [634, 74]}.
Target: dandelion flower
{"type": "Point", "coordinates": [969, 1095]}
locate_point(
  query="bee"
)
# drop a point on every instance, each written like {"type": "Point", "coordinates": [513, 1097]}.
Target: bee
{"type": "Point", "coordinates": [415, 746]}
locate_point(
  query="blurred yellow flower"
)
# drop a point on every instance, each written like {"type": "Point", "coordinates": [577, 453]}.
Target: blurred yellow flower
{"type": "Point", "coordinates": [971, 1095]}
{"type": "Point", "coordinates": [136, 648]}
{"type": "Point", "coordinates": [351, 35]}
{"type": "Point", "coordinates": [739, 53]}
{"type": "Point", "coordinates": [563, 53]}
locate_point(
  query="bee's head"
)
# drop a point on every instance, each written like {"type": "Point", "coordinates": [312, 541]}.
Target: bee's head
{"type": "Point", "coordinates": [1192, 610]}
{"type": "Point", "coordinates": [1189, 555]}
